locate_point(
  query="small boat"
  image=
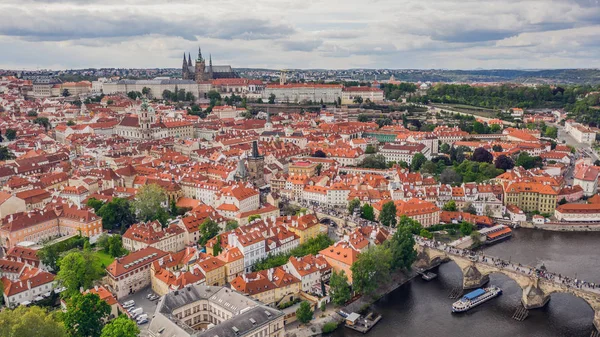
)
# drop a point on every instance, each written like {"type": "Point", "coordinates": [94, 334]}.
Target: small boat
{"type": "Point", "coordinates": [428, 276]}
{"type": "Point", "coordinates": [475, 298]}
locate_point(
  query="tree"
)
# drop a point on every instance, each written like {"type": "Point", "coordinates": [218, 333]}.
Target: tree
{"type": "Point", "coordinates": [367, 212]}
{"type": "Point", "coordinates": [426, 234]}
{"type": "Point", "coordinates": [417, 161]}
{"type": "Point", "coordinates": [231, 225]}
{"type": "Point", "coordinates": [146, 91]}
{"type": "Point", "coordinates": [482, 155]}
{"type": "Point", "coordinates": [85, 315]}
{"type": "Point", "coordinates": [111, 245]}
{"type": "Point", "coordinates": [466, 228]}
{"type": "Point", "coordinates": [272, 98]}
{"type": "Point", "coordinates": [469, 208]}
{"type": "Point", "coordinates": [497, 148]}
{"type": "Point", "coordinates": [504, 162]}
{"type": "Point", "coordinates": [318, 169]}
{"type": "Point", "coordinates": [339, 289]}
{"type": "Point", "coordinates": [527, 161]}
{"type": "Point", "coordinates": [450, 206]}
{"type": "Point", "coordinates": [371, 269]}
{"type": "Point", "coordinates": [167, 94]}
{"type": "Point", "coordinates": [387, 216]}
{"type": "Point", "coordinates": [304, 313]}
{"type": "Point", "coordinates": [116, 213]}
{"type": "Point", "coordinates": [358, 100]}
{"type": "Point", "coordinates": [189, 96]}
{"type": "Point", "coordinates": [32, 113]}
{"type": "Point", "coordinates": [402, 244]}
{"type": "Point", "coordinates": [70, 123]}
{"type": "Point", "coordinates": [253, 217]}
{"type": "Point", "coordinates": [43, 121]}
{"type": "Point", "coordinates": [65, 93]}
{"type": "Point", "coordinates": [375, 161]}
{"type": "Point", "coordinates": [449, 176]}
{"type": "Point", "coordinates": [78, 270]}
{"type": "Point", "coordinates": [121, 326]}
{"type": "Point", "coordinates": [6, 154]}
{"type": "Point", "coordinates": [363, 118]}
{"type": "Point", "coordinates": [353, 205]}
{"type": "Point", "coordinates": [208, 230]}
{"type": "Point", "coordinates": [551, 132]}
{"type": "Point", "coordinates": [429, 167]}
{"type": "Point", "coordinates": [217, 247]}
{"type": "Point", "coordinates": [149, 201]}
{"type": "Point", "coordinates": [319, 154]}
{"type": "Point", "coordinates": [10, 134]}
{"type": "Point", "coordinates": [30, 321]}
{"type": "Point", "coordinates": [495, 128]}
{"type": "Point", "coordinates": [370, 149]}
{"type": "Point", "coordinates": [445, 148]}
{"type": "Point", "coordinates": [95, 204]}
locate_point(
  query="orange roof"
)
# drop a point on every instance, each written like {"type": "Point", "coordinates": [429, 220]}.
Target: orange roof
{"type": "Point", "coordinates": [342, 252]}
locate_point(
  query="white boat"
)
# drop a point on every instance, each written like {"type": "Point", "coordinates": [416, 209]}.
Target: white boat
{"type": "Point", "coordinates": [475, 298]}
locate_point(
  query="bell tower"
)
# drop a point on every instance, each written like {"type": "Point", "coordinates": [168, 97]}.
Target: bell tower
{"type": "Point", "coordinates": [200, 68]}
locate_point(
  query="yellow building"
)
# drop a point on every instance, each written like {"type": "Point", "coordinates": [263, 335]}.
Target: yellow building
{"type": "Point", "coordinates": [303, 167]}
{"type": "Point", "coordinates": [305, 226]}
{"type": "Point", "coordinates": [530, 197]}
{"type": "Point", "coordinates": [213, 269]}
{"type": "Point", "coordinates": [234, 263]}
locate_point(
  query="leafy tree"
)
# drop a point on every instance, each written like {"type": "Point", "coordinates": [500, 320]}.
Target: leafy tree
{"type": "Point", "coordinates": [148, 202]}
{"type": "Point", "coordinates": [466, 228]}
{"type": "Point", "coordinates": [318, 169]}
{"type": "Point", "coordinates": [367, 212]}
{"type": "Point", "coordinates": [272, 98]}
{"type": "Point", "coordinates": [32, 113]}
{"type": "Point", "coordinates": [111, 245]}
{"type": "Point", "coordinates": [504, 162]}
{"type": "Point", "coordinates": [445, 148]}
{"type": "Point", "coordinates": [371, 269]}
{"type": "Point", "coordinates": [95, 204]}
{"type": "Point", "coordinates": [450, 206]}
{"type": "Point", "coordinates": [363, 118]}
{"type": "Point", "coordinates": [426, 234]}
{"type": "Point", "coordinates": [353, 205]}
{"type": "Point", "coordinates": [70, 123]}
{"type": "Point", "coordinates": [11, 134]}
{"type": "Point", "coordinates": [479, 128]}
{"type": "Point", "coordinates": [43, 121]}
{"type": "Point", "coordinates": [495, 128]}
{"type": "Point", "coordinates": [85, 315]}
{"type": "Point", "coordinates": [472, 171]}
{"type": "Point", "coordinates": [497, 148]}
{"type": "Point", "coordinates": [304, 313]}
{"type": "Point", "coordinates": [121, 326]}
{"type": "Point", "coordinates": [387, 216]}
{"type": "Point", "coordinates": [6, 154]}
{"type": "Point", "coordinates": [417, 161]}
{"type": "Point", "coordinates": [253, 217]}
{"type": "Point", "coordinates": [78, 270]}
{"type": "Point", "coordinates": [217, 247]}
{"type": "Point", "coordinates": [146, 91]}
{"type": "Point", "coordinates": [375, 161]}
{"type": "Point", "coordinates": [482, 155]}
{"type": "Point", "coordinates": [527, 161]}
{"type": "Point", "coordinates": [167, 94]}
{"type": "Point", "coordinates": [339, 289]}
{"type": "Point", "coordinates": [134, 95]}
{"type": "Point", "coordinates": [429, 167]}
{"type": "Point", "coordinates": [402, 244]}
{"type": "Point", "coordinates": [551, 132]}
{"type": "Point", "coordinates": [358, 100]}
{"type": "Point", "coordinates": [469, 208]}
{"type": "Point", "coordinates": [449, 176]}
{"type": "Point", "coordinates": [562, 201]}
{"type": "Point", "coordinates": [370, 149]}
{"type": "Point", "coordinates": [116, 213]}
{"type": "Point", "coordinates": [231, 225]}
{"type": "Point", "coordinates": [30, 321]}
{"type": "Point", "coordinates": [208, 230]}
{"type": "Point", "coordinates": [319, 154]}
{"type": "Point", "coordinates": [65, 93]}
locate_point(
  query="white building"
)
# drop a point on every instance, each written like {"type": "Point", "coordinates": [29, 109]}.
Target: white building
{"type": "Point", "coordinates": [142, 235]}
{"type": "Point", "coordinates": [403, 152]}
{"type": "Point", "coordinates": [299, 92]}
{"type": "Point", "coordinates": [581, 133]}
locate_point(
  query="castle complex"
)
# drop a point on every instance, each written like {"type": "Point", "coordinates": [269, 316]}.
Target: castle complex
{"type": "Point", "coordinates": [200, 72]}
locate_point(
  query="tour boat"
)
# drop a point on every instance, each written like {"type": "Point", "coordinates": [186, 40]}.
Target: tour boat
{"type": "Point", "coordinates": [475, 298]}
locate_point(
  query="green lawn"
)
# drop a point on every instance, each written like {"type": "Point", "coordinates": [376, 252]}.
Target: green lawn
{"type": "Point", "coordinates": [104, 258]}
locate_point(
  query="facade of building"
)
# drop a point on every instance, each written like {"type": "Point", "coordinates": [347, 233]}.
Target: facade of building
{"type": "Point", "coordinates": [303, 92]}
{"type": "Point", "coordinates": [578, 213]}
{"type": "Point", "coordinates": [531, 196]}
{"type": "Point", "coordinates": [403, 152]}
{"type": "Point", "coordinates": [351, 94]}
{"type": "Point", "coordinates": [200, 72]}
{"type": "Point", "coordinates": [142, 235]}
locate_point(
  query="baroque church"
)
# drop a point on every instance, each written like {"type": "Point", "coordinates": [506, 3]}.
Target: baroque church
{"type": "Point", "coordinates": [201, 72]}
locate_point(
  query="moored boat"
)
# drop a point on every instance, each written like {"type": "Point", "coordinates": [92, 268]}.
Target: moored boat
{"type": "Point", "coordinates": [475, 298]}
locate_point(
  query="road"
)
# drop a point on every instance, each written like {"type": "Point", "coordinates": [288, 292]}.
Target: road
{"type": "Point", "coordinates": [485, 119]}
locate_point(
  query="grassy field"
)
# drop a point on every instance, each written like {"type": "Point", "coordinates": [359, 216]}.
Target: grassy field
{"type": "Point", "coordinates": [468, 109]}
{"type": "Point", "coordinates": [104, 258]}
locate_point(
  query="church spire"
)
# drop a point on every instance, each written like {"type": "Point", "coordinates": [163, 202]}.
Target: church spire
{"type": "Point", "coordinates": [184, 63]}
{"type": "Point", "coordinates": [189, 59]}
{"type": "Point", "coordinates": [210, 61]}
{"type": "Point", "coordinates": [199, 54]}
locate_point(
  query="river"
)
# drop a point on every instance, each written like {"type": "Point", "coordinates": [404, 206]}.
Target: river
{"type": "Point", "coordinates": [421, 308]}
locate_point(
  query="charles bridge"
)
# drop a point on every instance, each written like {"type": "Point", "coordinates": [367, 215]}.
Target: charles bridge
{"type": "Point", "coordinates": [537, 285]}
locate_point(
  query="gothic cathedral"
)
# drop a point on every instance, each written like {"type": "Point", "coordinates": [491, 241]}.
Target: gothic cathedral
{"type": "Point", "coordinates": [200, 72]}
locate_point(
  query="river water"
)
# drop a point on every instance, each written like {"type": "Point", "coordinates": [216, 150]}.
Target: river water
{"type": "Point", "coordinates": [421, 308]}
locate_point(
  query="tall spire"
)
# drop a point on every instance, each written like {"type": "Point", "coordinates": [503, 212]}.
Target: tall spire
{"type": "Point", "coordinates": [199, 54]}
{"type": "Point", "coordinates": [210, 61]}
{"type": "Point", "coordinates": [184, 63]}
{"type": "Point", "coordinates": [255, 149]}
{"type": "Point", "coordinates": [189, 59]}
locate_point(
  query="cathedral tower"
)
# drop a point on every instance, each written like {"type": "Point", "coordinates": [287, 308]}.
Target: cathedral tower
{"type": "Point", "coordinates": [184, 69]}
{"type": "Point", "coordinates": [200, 68]}
{"type": "Point", "coordinates": [256, 166]}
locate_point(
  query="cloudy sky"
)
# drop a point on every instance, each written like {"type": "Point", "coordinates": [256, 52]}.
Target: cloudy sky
{"type": "Point", "coordinates": [454, 34]}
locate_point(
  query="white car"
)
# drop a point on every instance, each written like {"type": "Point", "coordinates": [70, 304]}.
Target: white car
{"type": "Point", "coordinates": [128, 304]}
{"type": "Point", "coordinates": [142, 321]}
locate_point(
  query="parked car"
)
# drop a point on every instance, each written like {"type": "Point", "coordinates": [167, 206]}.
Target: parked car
{"type": "Point", "coordinates": [141, 317]}
{"type": "Point", "coordinates": [128, 304]}
{"type": "Point", "coordinates": [143, 321]}
{"type": "Point", "coordinates": [136, 311]}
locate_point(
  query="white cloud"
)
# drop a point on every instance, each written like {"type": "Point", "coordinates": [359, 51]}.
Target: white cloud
{"type": "Point", "coordinates": [301, 33]}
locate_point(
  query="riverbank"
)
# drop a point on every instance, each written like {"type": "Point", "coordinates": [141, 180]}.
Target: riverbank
{"type": "Point", "coordinates": [556, 227]}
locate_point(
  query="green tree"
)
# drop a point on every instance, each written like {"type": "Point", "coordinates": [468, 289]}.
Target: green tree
{"type": "Point", "coordinates": [253, 217]}
{"type": "Point", "coordinates": [551, 132]}
{"type": "Point", "coordinates": [358, 100]}
{"type": "Point", "coordinates": [149, 201]}
{"type": "Point", "coordinates": [6, 154]}
{"type": "Point", "coordinates": [208, 230]}
{"type": "Point", "coordinates": [116, 213]}
{"type": "Point", "coordinates": [418, 160]}
{"type": "Point", "coordinates": [371, 269]}
{"type": "Point", "coordinates": [426, 234]}
{"type": "Point", "coordinates": [363, 118]}
{"type": "Point", "coordinates": [304, 313]}
{"type": "Point", "coordinates": [429, 167]}
{"type": "Point", "coordinates": [121, 326]}
{"type": "Point", "coordinates": [469, 208]}
{"type": "Point", "coordinates": [231, 225]}
{"type": "Point", "coordinates": [146, 91]}
{"type": "Point", "coordinates": [30, 321]}
{"type": "Point", "coordinates": [318, 169]}
{"type": "Point", "coordinates": [329, 327]}
{"type": "Point", "coordinates": [450, 206]}
{"type": "Point", "coordinates": [32, 113]}
{"type": "Point", "coordinates": [445, 148]}
{"type": "Point", "coordinates": [65, 93]}
{"type": "Point", "coordinates": [272, 98]}
{"type": "Point", "coordinates": [466, 228]}
{"type": "Point", "coordinates": [497, 147]}
{"type": "Point", "coordinates": [95, 204]}
{"type": "Point", "coordinates": [402, 244]}
{"type": "Point", "coordinates": [85, 315]}
{"type": "Point", "coordinates": [217, 247]}
{"type": "Point", "coordinates": [527, 161]}
{"type": "Point", "coordinates": [387, 216]}
{"type": "Point", "coordinates": [370, 149]}
{"type": "Point", "coordinates": [70, 123]}
{"type": "Point", "coordinates": [353, 205]}
{"type": "Point", "coordinates": [49, 257]}
{"type": "Point", "coordinates": [367, 212]}
{"type": "Point", "coordinates": [10, 134]}
{"type": "Point", "coordinates": [43, 121]}
{"type": "Point", "coordinates": [78, 270]}
{"type": "Point", "coordinates": [375, 161]}
{"type": "Point", "coordinates": [339, 289]}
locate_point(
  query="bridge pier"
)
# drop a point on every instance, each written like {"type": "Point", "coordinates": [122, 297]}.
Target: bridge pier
{"type": "Point", "coordinates": [533, 297]}
{"type": "Point", "coordinates": [597, 319]}
{"type": "Point", "coordinates": [472, 277]}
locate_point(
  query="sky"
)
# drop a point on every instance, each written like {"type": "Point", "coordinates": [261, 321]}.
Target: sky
{"type": "Point", "coordinates": [276, 34]}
